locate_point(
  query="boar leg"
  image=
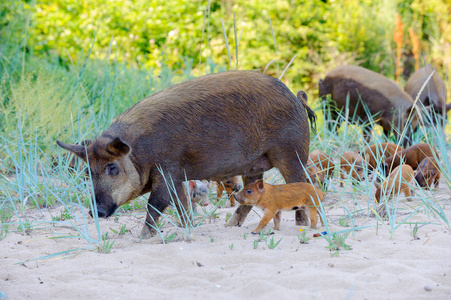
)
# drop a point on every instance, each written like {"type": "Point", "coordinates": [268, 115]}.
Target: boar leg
{"type": "Point", "coordinates": [292, 173]}
{"type": "Point", "coordinates": [158, 201]}
{"type": "Point", "coordinates": [240, 214]}
{"type": "Point", "coordinates": [182, 204]}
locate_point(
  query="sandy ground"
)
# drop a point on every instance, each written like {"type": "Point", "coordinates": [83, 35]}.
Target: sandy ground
{"type": "Point", "coordinates": [221, 262]}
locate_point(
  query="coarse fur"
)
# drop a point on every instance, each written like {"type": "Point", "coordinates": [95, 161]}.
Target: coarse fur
{"type": "Point", "coordinates": [377, 153]}
{"type": "Point", "coordinates": [428, 173]}
{"type": "Point", "coordinates": [351, 163]}
{"type": "Point", "coordinates": [396, 183]}
{"type": "Point", "coordinates": [412, 156]}
{"type": "Point", "coordinates": [386, 101]}
{"type": "Point", "coordinates": [230, 185]}
{"type": "Point", "coordinates": [274, 199]}
{"type": "Point", "coordinates": [434, 93]}
{"type": "Point", "coordinates": [168, 138]}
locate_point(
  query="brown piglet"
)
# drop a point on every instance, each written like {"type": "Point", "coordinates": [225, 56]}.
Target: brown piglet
{"type": "Point", "coordinates": [378, 152]}
{"type": "Point", "coordinates": [396, 183]}
{"type": "Point", "coordinates": [411, 156]}
{"type": "Point", "coordinates": [230, 185]}
{"type": "Point", "coordinates": [273, 199]}
{"type": "Point", "coordinates": [351, 163]}
{"type": "Point", "coordinates": [428, 173]}
{"type": "Point", "coordinates": [316, 176]}
{"type": "Point", "coordinates": [323, 162]}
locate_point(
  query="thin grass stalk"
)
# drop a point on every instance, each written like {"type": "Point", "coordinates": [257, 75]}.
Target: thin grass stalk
{"type": "Point", "coordinates": [286, 68]}
{"type": "Point", "coordinates": [227, 44]}
{"type": "Point", "coordinates": [275, 44]}
{"type": "Point", "coordinates": [236, 41]}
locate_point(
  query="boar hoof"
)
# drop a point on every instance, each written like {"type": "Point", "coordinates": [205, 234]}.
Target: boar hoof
{"type": "Point", "coordinates": [147, 232]}
{"type": "Point", "coordinates": [238, 217]}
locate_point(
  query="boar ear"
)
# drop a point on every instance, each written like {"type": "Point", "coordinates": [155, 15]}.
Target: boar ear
{"type": "Point", "coordinates": [79, 150]}
{"type": "Point", "coordinates": [118, 148]}
{"type": "Point", "coordinates": [85, 142]}
{"type": "Point", "coordinates": [260, 185]}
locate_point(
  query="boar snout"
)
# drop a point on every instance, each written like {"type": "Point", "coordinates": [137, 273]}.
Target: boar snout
{"type": "Point", "coordinates": [104, 209]}
{"type": "Point", "coordinates": [101, 213]}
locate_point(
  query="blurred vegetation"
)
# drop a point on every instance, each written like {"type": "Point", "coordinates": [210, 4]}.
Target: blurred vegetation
{"type": "Point", "coordinates": [181, 34]}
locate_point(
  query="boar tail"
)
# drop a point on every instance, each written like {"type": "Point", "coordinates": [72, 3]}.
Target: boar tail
{"type": "Point", "coordinates": [302, 96]}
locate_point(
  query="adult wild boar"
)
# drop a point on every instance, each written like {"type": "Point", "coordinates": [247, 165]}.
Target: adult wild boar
{"type": "Point", "coordinates": [434, 93]}
{"type": "Point", "coordinates": [260, 122]}
{"type": "Point", "coordinates": [385, 100]}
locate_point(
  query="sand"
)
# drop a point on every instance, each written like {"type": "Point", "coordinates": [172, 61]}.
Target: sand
{"type": "Point", "coordinates": [221, 262]}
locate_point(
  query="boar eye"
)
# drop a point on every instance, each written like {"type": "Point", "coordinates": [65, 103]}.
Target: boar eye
{"type": "Point", "coordinates": [249, 191]}
{"type": "Point", "coordinates": [228, 182]}
{"type": "Point", "coordinates": [112, 169]}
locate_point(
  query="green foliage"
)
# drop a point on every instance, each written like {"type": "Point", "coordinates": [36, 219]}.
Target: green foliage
{"type": "Point", "coordinates": [187, 34]}
{"type": "Point", "coordinates": [170, 237]}
{"type": "Point", "coordinates": [105, 245]}
{"type": "Point", "coordinates": [337, 242]}
{"type": "Point", "coordinates": [64, 215]}
{"type": "Point", "coordinates": [272, 244]}
{"type": "Point", "coordinates": [303, 238]}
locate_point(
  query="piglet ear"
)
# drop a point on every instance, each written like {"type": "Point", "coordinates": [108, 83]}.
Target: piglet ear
{"type": "Point", "coordinates": [191, 184]}
{"type": "Point", "coordinates": [118, 148]}
{"type": "Point", "coordinates": [260, 185]}
{"type": "Point", "coordinates": [79, 150]}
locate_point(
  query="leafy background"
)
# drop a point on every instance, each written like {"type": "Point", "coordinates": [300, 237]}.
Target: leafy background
{"type": "Point", "coordinates": [67, 67]}
{"type": "Point", "coordinates": [174, 33]}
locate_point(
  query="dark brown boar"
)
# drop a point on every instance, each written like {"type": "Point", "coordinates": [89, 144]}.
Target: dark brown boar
{"type": "Point", "coordinates": [411, 156]}
{"type": "Point", "coordinates": [173, 136]}
{"type": "Point", "coordinates": [434, 93]}
{"type": "Point", "coordinates": [385, 100]}
{"type": "Point", "coordinates": [428, 173]}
